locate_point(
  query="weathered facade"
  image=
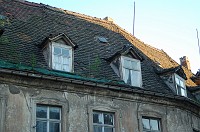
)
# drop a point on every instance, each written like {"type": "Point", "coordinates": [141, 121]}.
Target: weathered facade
{"type": "Point", "coordinates": [91, 92]}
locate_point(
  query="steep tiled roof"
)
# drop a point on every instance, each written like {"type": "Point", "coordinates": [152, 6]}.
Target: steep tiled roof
{"type": "Point", "coordinates": [28, 24]}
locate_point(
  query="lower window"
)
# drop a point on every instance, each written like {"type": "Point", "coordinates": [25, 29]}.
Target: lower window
{"type": "Point", "coordinates": [151, 124]}
{"type": "Point", "coordinates": [103, 121]}
{"type": "Point", "coordinates": [48, 118]}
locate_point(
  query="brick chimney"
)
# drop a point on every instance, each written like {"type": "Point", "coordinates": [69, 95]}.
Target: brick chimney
{"type": "Point", "coordinates": [185, 62]}
{"type": "Point", "coordinates": [108, 19]}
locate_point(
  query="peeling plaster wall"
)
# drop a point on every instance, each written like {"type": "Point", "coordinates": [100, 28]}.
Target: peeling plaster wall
{"type": "Point", "coordinates": [21, 100]}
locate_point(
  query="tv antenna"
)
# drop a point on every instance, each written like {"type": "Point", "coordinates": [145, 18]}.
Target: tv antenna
{"type": "Point", "coordinates": [198, 40]}
{"type": "Point", "coordinates": [134, 19]}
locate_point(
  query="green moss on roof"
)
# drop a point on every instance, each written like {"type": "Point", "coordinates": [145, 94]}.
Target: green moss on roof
{"type": "Point", "coordinates": [21, 67]}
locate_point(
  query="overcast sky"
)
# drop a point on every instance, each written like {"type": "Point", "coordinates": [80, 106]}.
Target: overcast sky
{"type": "Point", "coordinates": [165, 24]}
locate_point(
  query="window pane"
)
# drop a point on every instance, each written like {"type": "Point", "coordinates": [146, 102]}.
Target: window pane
{"type": "Point", "coordinates": [108, 129]}
{"type": "Point", "coordinates": [65, 52]}
{"type": "Point", "coordinates": [57, 50]}
{"type": "Point", "coordinates": [183, 92]}
{"type": "Point", "coordinates": [108, 118]}
{"type": "Point", "coordinates": [41, 126]}
{"type": "Point", "coordinates": [136, 78]}
{"type": "Point", "coordinates": [179, 89]}
{"type": "Point", "coordinates": [154, 124]}
{"type": "Point", "coordinates": [145, 124]}
{"type": "Point", "coordinates": [135, 65]}
{"type": "Point", "coordinates": [65, 60]}
{"type": "Point", "coordinates": [177, 81]}
{"type": "Point", "coordinates": [54, 113]}
{"type": "Point", "coordinates": [182, 83]}
{"type": "Point", "coordinates": [126, 75]}
{"type": "Point", "coordinates": [54, 127]}
{"type": "Point", "coordinates": [41, 112]}
{"type": "Point", "coordinates": [127, 64]}
{"type": "Point", "coordinates": [97, 129]}
{"type": "Point", "coordinates": [97, 118]}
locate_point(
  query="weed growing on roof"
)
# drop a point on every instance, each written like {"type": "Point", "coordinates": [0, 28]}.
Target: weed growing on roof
{"type": "Point", "coordinates": [33, 61]}
{"type": "Point", "coordinates": [94, 68]}
{"type": "Point", "coordinates": [4, 21]}
{"type": "Point", "coordinates": [4, 40]}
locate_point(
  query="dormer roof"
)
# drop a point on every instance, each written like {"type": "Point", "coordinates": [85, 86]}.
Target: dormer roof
{"type": "Point", "coordinates": [126, 51]}
{"type": "Point", "coordinates": [54, 38]}
{"type": "Point", "coordinates": [178, 70]}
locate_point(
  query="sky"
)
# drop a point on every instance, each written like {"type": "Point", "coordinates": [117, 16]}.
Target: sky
{"type": "Point", "coordinates": [169, 25]}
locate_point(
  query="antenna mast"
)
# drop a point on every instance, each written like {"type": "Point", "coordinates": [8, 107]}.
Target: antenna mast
{"type": "Point", "coordinates": [134, 19]}
{"type": "Point", "coordinates": [198, 40]}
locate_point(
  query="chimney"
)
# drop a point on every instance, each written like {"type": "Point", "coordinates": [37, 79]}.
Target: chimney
{"type": "Point", "coordinates": [185, 62]}
{"type": "Point", "coordinates": [108, 19]}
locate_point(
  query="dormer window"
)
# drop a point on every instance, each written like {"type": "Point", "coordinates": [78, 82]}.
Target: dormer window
{"type": "Point", "coordinates": [131, 71]}
{"type": "Point", "coordinates": [180, 86]}
{"type": "Point", "coordinates": [58, 53]}
{"type": "Point", "coordinates": [62, 57]}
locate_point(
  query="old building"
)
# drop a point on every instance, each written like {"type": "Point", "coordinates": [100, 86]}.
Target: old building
{"type": "Point", "coordinates": [62, 71]}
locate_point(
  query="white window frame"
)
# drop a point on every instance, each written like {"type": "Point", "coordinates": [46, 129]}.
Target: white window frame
{"type": "Point", "coordinates": [137, 70]}
{"type": "Point", "coordinates": [152, 118]}
{"type": "Point", "coordinates": [106, 109]}
{"type": "Point", "coordinates": [103, 125]}
{"type": "Point", "coordinates": [47, 119]}
{"type": "Point", "coordinates": [177, 77]}
{"type": "Point", "coordinates": [62, 46]}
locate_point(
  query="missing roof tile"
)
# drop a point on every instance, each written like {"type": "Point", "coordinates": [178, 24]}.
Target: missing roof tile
{"type": "Point", "coordinates": [103, 39]}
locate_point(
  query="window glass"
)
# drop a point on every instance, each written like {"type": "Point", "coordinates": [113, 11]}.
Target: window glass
{"type": "Point", "coordinates": [154, 124]}
{"type": "Point", "coordinates": [41, 126]}
{"type": "Point", "coordinates": [97, 118]}
{"type": "Point", "coordinates": [41, 112]}
{"type": "Point", "coordinates": [54, 127]}
{"type": "Point", "coordinates": [183, 92]}
{"type": "Point", "coordinates": [65, 52]}
{"type": "Point", "coordinates": [136, 77]}
{"type": "Point", "coordinates": [146, 124]}
{"type": "Point", "coordinates": [181, 83]}
{"type": "Point", "coordinates": [98, 129]}
{"type": "Point", "coordinates": [108, 119]}
{"type": "Point", "coordinates": [108, 129]}
{"type": "Point", "coordinates": [57, 51]}
{"type": "Point", "coordinates": [54, 113]}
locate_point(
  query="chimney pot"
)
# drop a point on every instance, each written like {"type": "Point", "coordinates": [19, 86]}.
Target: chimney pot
{"type": "Point", "coordinates": [185, 62]}
{"type": "Point", "coordinates": [108, 19]}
